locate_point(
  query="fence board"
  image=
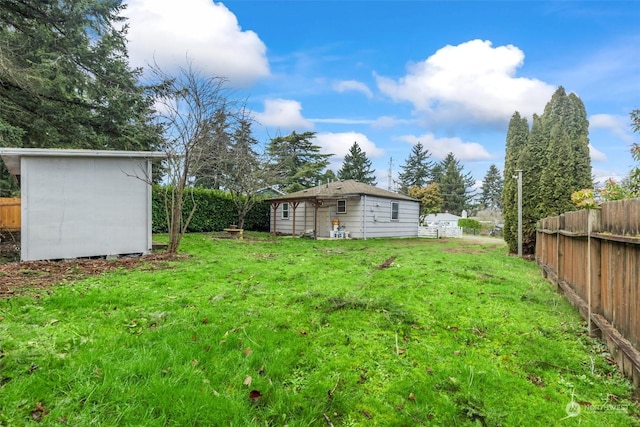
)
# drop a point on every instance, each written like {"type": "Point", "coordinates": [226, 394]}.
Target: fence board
{"type": "Point", "coordinates": [9, 213]}
{"type": "Point", "coordinates": [607, 294]}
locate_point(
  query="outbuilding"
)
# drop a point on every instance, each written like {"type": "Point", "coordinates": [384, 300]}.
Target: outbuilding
{"type": "Point", "coordinates": [82, 203]}
{"type": "Point", "coordinates": [345, 209]}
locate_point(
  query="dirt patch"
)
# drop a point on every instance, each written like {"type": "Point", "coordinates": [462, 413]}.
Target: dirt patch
{"type": "Point", "coordinates": [20, 277]}
{"type": "Point", "coordinates": [388, 262]}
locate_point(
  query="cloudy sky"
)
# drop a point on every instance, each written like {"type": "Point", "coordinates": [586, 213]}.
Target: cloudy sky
{"type": "Point", "coordinates": [389, 74]}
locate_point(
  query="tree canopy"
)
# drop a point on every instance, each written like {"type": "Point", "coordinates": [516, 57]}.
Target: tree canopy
{"type": "Point", "coordinates": [357, 166]}
{"type": "Point", "coordinates": [416, 172]}
{"type": "Point", "coordinates": [491, 197]}
{"type": "Point", "coordinates": [455, 185]}
{"type": "Point", "coordinates": [296, 161]}
{"type": "Point", "coordinates": [554, 158]}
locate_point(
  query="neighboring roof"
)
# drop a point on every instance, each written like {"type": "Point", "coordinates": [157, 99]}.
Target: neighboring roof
{"type": "Point", "coordinates": [341, 189]}
{"type": "Point", "coordinates": [442, 217]}
{"type": "Point", "coordinates": [12, 156]}
{"type": "Point", "coordinates": [272, 191]}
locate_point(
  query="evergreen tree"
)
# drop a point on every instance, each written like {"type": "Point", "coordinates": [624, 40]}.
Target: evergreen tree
{"type": "Point", "coordinates": [296, 162]}
{"type": "Point", "coordinates": [357, 166]}
{"type": "Point", "coordinates": [416, 170]}
{"type": "Point", "coordinates": [554, 158]}
{"type": "Point", "coordinates": [455, 186]}
{"type": "Point", "coordinates": [517, 136]}
{"type": "Point", "coordinates": [532, 162]}
{"type": "Point", "coordinates": [568, 164]}
{"type": "Point", "coordinates": [491, 197]}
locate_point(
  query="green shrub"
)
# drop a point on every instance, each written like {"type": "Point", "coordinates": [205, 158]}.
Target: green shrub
{"type": "Point", "coordinates": [214, 211]}
{"type": "Point", "coordinates": [469, 224]}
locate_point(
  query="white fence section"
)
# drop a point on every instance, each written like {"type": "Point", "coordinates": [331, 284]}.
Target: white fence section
{"type": "Point", "coordinates": [435, 232]}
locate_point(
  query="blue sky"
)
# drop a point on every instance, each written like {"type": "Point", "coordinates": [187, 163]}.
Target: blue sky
{"type": "Point", "coordinates": [388, 74]}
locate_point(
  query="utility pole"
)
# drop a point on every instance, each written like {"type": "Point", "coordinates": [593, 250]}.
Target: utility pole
{"type": "Point", "coordinates": [519, 212]}
{"type": "Point", "coordinates": [390, 174]}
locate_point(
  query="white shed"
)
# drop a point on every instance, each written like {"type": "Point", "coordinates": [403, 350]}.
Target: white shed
{"type": "Point", "coordinates": [356, 209]}
{"type": "Point", "coordinates": [82, 203]}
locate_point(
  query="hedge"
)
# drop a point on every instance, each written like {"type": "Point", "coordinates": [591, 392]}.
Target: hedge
{"type": "Point", "coordinates": [214, 211]}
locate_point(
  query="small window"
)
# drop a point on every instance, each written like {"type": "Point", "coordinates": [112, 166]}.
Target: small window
{"type": "Point", "coordinates": [395, 211]}
{"type": "Point", "coordinates": [285, 211]}
{"type": "Point", "coordinates": [342, 207]}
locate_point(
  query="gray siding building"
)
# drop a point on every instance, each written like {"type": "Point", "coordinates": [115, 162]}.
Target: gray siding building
{"type": "Point", "coordinates": [82, 203]}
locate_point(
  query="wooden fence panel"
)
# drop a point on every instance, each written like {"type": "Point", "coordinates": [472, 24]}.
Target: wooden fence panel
{"type": "Point", "coordinates": [594, 257]}
{"type": "Point", "coordinates": [10, 214]}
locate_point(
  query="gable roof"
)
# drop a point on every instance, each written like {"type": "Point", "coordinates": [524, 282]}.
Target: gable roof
{"type": "Point", "coordinates": [341, 190]}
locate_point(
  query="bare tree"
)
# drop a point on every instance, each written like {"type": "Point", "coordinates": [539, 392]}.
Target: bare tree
{"type": "Point", "coordinates": [247, 170]}
{"type": "Point", "coordinates": [187, 106]}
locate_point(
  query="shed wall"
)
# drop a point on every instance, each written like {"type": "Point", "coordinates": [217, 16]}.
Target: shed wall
{"type": "Point", "coordinates": [81, 207]}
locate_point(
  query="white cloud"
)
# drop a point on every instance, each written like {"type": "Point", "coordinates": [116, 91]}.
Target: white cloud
{"type": "Point", "coordinates": [597, 155]}
{"type": "Point", "coordinates": [283, 113]}
{"type": "Point", "coordinates": [339, 143]}
{"type": "Point", "coordinates": [440, 147]}
{"type": "Point", "coordinates": [168, 31]}
{"type": "Point", "coordinates": [618, 125]}
{"type": "Point", "coordinates": [388, 121]}
{"type": "Point", "coordinates": [353, 85]}
{"type": "Point", "coordinates": [472, 82]}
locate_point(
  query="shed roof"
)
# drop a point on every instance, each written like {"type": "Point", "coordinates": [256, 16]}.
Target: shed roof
{"type": "Point", "coordinates": [442, 217]}
{"type": "Point", "coordinates": [339, 190]}
{"type": "Point", "coordinates": [12, 156]}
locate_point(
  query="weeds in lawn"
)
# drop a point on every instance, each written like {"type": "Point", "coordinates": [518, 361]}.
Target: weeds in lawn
{"type": "Point", "coordinates": [276, 331]}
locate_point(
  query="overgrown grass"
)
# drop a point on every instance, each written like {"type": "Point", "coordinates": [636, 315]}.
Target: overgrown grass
{"type": "Point", "coordinates": [350, 332]}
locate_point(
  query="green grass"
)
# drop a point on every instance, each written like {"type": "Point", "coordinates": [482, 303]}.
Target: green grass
{"type": "Point", "coordinates": [451, 333]}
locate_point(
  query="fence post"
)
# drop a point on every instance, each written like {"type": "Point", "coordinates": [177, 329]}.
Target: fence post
{"type": "Point", "coordinates": [594, 283]}
{"type": "Point", "coordinates": [560, 251]}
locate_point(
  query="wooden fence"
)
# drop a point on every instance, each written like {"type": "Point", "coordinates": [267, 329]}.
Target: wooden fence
{"type": "Point", "coordinates": [9, 214]}
{"type": "Point", "coordinates": [593, 256]}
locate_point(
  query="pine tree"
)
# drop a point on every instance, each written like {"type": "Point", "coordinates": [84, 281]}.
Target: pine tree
{"type": "Point", "coordinates": [517, 136]}
{"type": "Point", "coordinates": [455, 186]}
{"type": "Point", "coordinates": [554, 158]}
{"type": "Point", "coordinates": [568, 164]}
{"type": "Point", "coordinates": [416, 170]}
{"type": "Point", "coordinates": [491, 197]}
{"type": "Point", "coordinates": [357, 166]}
{"type": "Point", "coordinates": [296, 162]}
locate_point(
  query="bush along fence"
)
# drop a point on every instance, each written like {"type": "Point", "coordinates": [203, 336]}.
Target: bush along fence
{"type": "Point", "coordinates": [215, 211]}
{"type": "Point", "coordinates": [593, 257]}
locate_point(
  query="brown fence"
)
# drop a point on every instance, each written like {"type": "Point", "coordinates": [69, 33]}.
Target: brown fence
{"type": "Point", "coordinates": [9, 214]}
{"type": "Point", "coordinates": [593, 256]}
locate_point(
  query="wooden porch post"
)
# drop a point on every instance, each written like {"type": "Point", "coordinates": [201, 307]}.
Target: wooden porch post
{"type": "Point", "coordinates": [274, 205]}
{"type": "Point", "coordinates": [295, 206]}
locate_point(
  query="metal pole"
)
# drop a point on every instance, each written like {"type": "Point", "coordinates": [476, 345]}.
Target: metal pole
{"type": "Point", "coordinates": [519, 213]}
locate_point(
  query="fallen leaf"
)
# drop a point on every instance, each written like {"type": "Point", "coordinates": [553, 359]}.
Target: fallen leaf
{"type": "Point", "coordinates": [194, 363]}
{"type": "Point", "coordinates": [255, 395]}
{"type": "Point", "coordinates": [367, 414]}
{"type": "Point", "coordinates": [39, 412]}
{"type": "Point", "coordinates": [247, 381]}
{"type": "Point", "coordinates": [412, 397]}
{"type": "Point", "coordinates": [205, 320]}
{"type": "Point", "coordinates": [247, 351]}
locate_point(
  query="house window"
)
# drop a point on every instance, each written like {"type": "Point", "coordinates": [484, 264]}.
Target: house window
{"type": "Point", "coordinates": [395, 211]}
{"type": "Point", "coordinates": [285, 211]}
{"type": "Point", "coordinates": [342, 207]}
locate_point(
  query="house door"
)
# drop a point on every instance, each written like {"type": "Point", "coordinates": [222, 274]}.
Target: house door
{"type": "Point", "coordinates": [324, 221]}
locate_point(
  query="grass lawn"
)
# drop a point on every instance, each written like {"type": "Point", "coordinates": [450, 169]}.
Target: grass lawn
{"type": "Point", "coordinates": [279, 331]}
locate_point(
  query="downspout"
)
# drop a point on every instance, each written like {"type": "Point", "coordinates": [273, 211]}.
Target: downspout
{"type": "Point", "coordinates": [364, 217]}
